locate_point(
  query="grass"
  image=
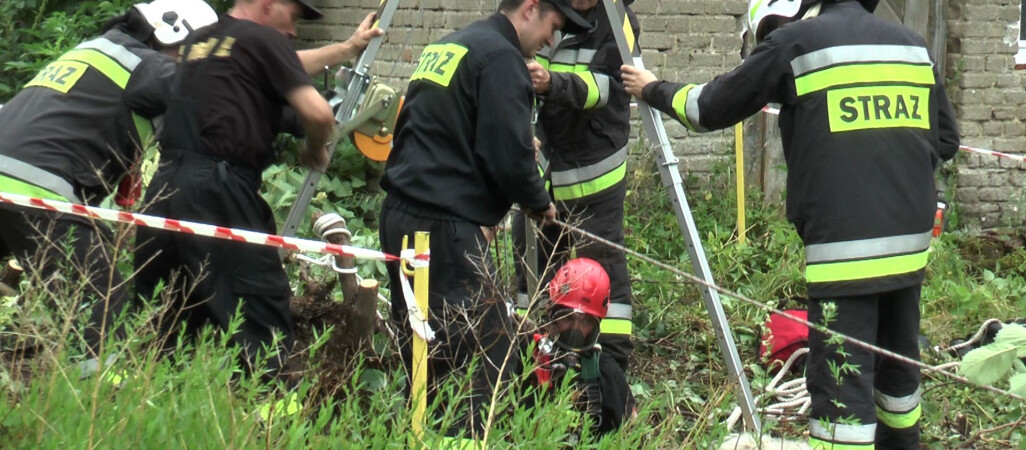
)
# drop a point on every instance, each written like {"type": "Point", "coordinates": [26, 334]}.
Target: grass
{"type": "Point", "coordinates": [200, 400]}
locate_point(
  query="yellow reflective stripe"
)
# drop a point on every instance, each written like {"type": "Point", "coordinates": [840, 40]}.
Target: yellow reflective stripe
{"type": "Point", "coordinates": [591, 187]}
{"type": "Point", "coordinates": [680, 103]}
{"type": "Point", "coordinates": [569, 68]}
{"type": "Point", "coordinates": [899, 420]}
{"type": "Point", "coordinates": [865, 269]}
{"type": "Point", "coordinates": [593, 91]}
{"type": "Point", "coordinates": [616, 326]}
{"type": "Point", "coordinates": [542, 60]}
{"type": "Point", "coordinates": [628, 32]}
{"type": "Point", "coordinates": [541, 173]}
{"type": "Point", "coordinates": [817, 444]}
{"type": "Point", "coordinates": [864, 73]}
{"type": "Point", "coordinates": [16, 186]}
{"type": "Point", "coordinates": [99, 61]}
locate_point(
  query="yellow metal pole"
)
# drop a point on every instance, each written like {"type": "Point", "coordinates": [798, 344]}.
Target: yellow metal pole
{"type": "Point", "coordinates": [739, 155]}
{"type": "Point", "coordinates": [421, 244]}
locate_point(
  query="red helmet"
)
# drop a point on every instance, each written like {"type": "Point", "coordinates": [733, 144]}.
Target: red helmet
{"type": "Point", "coordinates": [582, 285]}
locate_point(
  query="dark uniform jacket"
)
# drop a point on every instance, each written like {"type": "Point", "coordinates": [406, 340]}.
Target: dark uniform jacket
{"type": "Point", "coordinates": [864, 122]}
{"type": "Point", "coordinates": [583, 121]}
{"type": "Point", "coordinates": [463, 144]}
{"type": "Point", "coordinates": [72, 133]}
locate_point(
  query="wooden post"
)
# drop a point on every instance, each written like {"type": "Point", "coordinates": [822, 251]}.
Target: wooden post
{"type": "Point", "coordinates": [10, 276]}
{"type": "Point", "coordinates": [363, 314]}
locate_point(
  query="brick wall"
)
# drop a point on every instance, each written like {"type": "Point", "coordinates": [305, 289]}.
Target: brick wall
{"type": "Point", "coordinates": [684, 40]}
{"type": "Point", "coordinates": [694, 40]}
{"type": "Point", "coordinates": [990, 102]}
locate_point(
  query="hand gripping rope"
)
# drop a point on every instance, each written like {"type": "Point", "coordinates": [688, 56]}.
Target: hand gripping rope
{"type": "Point", "coordinates": [417, 321]}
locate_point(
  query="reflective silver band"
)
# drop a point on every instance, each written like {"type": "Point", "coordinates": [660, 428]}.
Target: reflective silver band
{"type": "Point", "coordinates": [849, 434]}
{"type": "Point", "coordinates": [38, 177]}
{"type": "Point", "coordinates": [523, 301]}
{"type": "Point", "coordinates": [117, 52]}
{"type": "Point", "coordinates": [691, 108]}
{"type": "Point", "coordinates": [620, 311]}
{"type": "Point", "coordinates": [581, 174]}
{"type": "Point", "coordinates": [859, 54]}
{"type": "Point", "coordinates": [602, 80]}
{"type": "Point", "coordinates": [867, 248]}
{"type": "Point", "coordinates": [898, 405]}
{"type": "Point", "coordinates": [573, 57]}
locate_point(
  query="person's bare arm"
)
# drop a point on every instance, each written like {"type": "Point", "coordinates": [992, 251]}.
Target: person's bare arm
{"type": "Point", "coordinates": [314, 60]}
{"type": "Point", "coordinates": [318, 121]}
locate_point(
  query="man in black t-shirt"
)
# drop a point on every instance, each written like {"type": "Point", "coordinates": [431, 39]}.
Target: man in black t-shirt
{"type": "Point", "coordinates": [235, 77]}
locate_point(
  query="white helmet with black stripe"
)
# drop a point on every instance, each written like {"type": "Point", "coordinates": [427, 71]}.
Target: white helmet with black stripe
{"type": "Point", "coordinates": [173, 20]}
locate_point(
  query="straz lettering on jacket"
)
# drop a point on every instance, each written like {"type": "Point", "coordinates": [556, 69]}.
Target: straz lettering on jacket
{"type": "Point", "coordinates": [438, 63]}
{"type": "Point", "coordinates": [869, 86]}
{"type": "Point", "coordinates": [201, 50]}
{"type": "Point", "coordinates": [60, 75]}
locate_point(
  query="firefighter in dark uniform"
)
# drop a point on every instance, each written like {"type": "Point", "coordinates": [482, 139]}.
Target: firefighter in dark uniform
{"type": "Point", "coordinates": [568, 339]}
{"type": "Point", "coordinates": [226, 109]}
{"type": "Point", "coordinates": [864, 122]}
{"type": "Point", "coordinates": [463, 154]}
{"type": "Point", "coordinates": [75, 131]}
{"type": "Point", "coordinates": [583, 124]}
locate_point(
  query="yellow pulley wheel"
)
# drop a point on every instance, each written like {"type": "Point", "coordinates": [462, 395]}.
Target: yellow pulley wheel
{"type": "Point", "coordinates": [375, 148]}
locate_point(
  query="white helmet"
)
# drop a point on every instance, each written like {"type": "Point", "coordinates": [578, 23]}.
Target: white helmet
{"type": "Point", "coordinates": [760, 10]}
{"type": "Point", "coordinates": [173, 20]}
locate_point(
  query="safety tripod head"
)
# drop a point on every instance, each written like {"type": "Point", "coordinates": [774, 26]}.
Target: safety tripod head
{"type": "Point", "coordinates": [371, 124]}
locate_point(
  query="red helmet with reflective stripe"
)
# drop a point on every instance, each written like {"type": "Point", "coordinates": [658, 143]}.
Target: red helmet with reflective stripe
{"type": "Point", "coordinates": [582, 285]}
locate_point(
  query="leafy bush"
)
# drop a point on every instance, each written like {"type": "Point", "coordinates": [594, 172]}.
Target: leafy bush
{"type": "Point", "coordinates": [36, 32]}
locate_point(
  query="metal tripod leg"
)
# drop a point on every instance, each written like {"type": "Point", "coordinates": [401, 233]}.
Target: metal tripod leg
{"type": "Point", "coordinates": [532, 273]}
{"type": "Point", "coordinates": [356, 86]}
{"type": "Point", "coordinates": [674, 185]}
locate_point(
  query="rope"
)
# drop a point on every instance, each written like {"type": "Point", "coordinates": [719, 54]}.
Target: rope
{"type": "Point", "coordinates": [406, 41]}
{"type": "Point", "coordinates": [790, 395]}
{"type": "Point", "coordinates": [770, 309]}
{"type": "Point", "coordinates": [977, 338]}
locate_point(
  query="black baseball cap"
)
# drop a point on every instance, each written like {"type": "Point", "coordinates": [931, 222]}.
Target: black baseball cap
{"type": "Point", "coordinates": [310, 12]}
{"type": "Point", "coordinates": [574, 23]}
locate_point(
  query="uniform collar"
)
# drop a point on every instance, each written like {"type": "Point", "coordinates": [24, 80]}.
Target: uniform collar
{"type": "Point", "coordinates": [505, 28]}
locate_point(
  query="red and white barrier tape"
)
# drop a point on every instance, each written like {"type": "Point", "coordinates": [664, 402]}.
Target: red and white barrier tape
{"type": "Point", "coordinates": [199, 229]}
{"type": "Point", "coordinates": [965, 148]}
